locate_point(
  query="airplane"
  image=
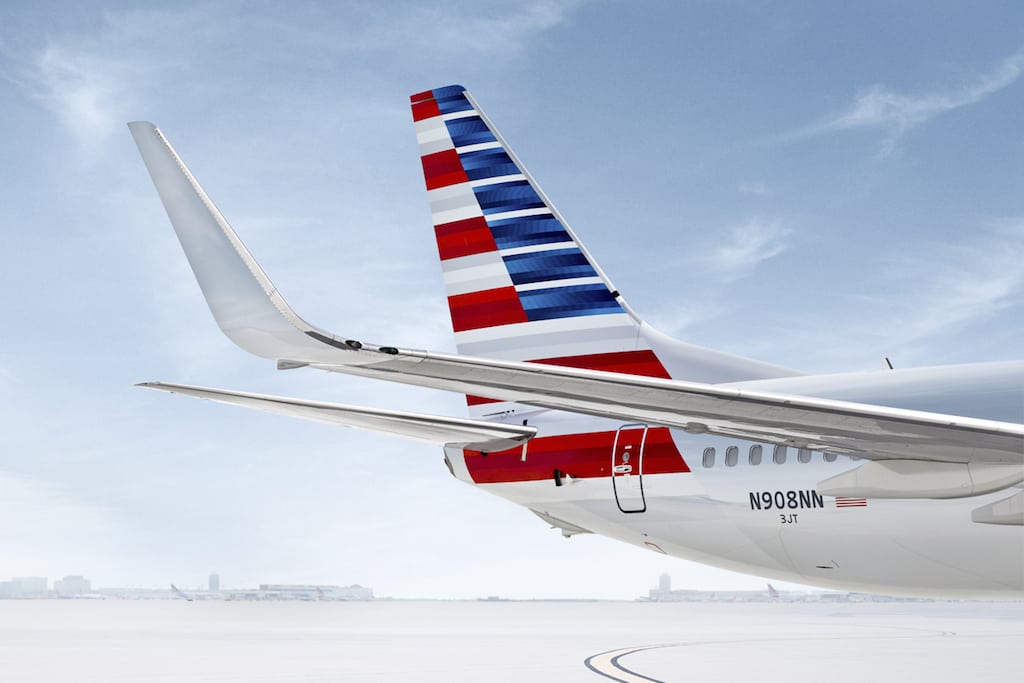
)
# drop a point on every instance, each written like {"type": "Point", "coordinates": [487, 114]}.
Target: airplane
{"type": "Point", "coordinates": [898, 481]}
{"type": "Point", "coordinates": [181, 594]}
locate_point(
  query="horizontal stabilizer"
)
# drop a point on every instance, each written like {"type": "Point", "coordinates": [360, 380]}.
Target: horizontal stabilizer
{"type": "Point", "coordinates": [444, 431]}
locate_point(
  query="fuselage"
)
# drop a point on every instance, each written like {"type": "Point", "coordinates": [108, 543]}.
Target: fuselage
{"type": "Point", "coordinates": [753, 507]}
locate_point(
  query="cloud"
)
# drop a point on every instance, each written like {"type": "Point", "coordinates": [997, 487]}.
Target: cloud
{"type": "Point", "coordinates": [79, 88]}
{"type": "Point", "coordinates": [506, 30]}
{"type": "Point", "coordinates": [748, 245]}
{"type": "Point", "coordinates": [755, 188]}
{"type": "Point", "coordinates": [961, 284]}
{"type": "Point", "coordinates": [920, 306]}
{"type": "Point", "coordinates": [93, 81]}
{"type": "Point", "coordinates": [896, 113]}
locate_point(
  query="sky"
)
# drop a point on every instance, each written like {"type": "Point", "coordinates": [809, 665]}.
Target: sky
{"type": "Point", "coordinates": [813, 184]}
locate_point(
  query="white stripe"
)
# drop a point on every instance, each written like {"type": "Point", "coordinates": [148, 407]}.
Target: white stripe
{"type": "Point", "coordinates": [457, 115]}
{"type": "Point", "coordinates": [579, 343]}
{"type": "Point", "coordinates": [431, 128]}
{"type": "Point", "coordinates": [592, 322]}
{"type": "Point", "coordinates": [478, 147]}
{"type": "Point", "coordinates": [483, 258]}
{"type": "Point", "coordinates": [452, 203]}
{"type": "Point", "coordinates": [548, 284]}
{"type": "Point", "coordinates": [458, 202]}
{"type": "Point", "coordinates": [483, 182]}
{"type": "Point", "coordinates": [457, 214]}
{"type": "Point", "coordinates": [450, 191]}
{"type": "Point", "coordinates": [475, 273]}
{"type": "Point", "coordinates": [532, 248]}
{"type": "Point", "coordinates": [440, 145]}
{"type": "Point", "coordinates": [432, 137]}
{"type": "Point", "coordinates": [475, 280]}
{"type": "Point", "coordinates": [540, 211]}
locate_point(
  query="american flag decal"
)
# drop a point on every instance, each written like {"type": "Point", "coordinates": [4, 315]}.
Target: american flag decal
{"type": "Point", "coordinates": [851, 502]}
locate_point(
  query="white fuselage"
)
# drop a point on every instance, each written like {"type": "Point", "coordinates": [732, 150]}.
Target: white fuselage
{"type": "Point", "coordinates": [767, 518]}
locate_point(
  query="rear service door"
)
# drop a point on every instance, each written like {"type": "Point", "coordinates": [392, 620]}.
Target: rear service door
{"type": "Point", "coordinates": [627, 467]}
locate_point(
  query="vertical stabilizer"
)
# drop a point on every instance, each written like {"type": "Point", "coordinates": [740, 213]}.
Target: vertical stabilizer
{"type": "Point", "coordinates": [520, 285]}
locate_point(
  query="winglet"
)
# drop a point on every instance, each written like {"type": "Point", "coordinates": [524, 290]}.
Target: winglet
{"type": "Point", "coordinates": [243, 300]}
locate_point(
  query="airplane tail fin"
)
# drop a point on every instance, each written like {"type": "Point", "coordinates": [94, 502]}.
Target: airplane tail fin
{"type": "Point", "coordinates": [521, 286]}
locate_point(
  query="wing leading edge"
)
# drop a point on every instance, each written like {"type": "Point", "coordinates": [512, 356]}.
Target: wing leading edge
{"type": "Point", "coordinates": [252, 313]}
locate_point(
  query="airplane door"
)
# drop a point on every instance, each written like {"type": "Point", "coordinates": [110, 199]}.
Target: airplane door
{"type": "Point", "coordinates": [627, 468]}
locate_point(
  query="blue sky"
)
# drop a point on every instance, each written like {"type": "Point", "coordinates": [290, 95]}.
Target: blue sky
{"type": "Point", "coordinates": [812, 184]}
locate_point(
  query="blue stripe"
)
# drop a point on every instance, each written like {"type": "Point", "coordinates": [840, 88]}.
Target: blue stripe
{"type": "Point", "coordinates": [541, 266]}
{"type": "Point", "coordinates": [487, 163]}
{"type": "Point", "coordinates": [513, 196]}
{"type": "Point", "coordinates": [527, 231]}
{"type": "Point", "coordinates": [568, 302]}
{"type": "Point", "coordinates": [451, 99]}
{"type": "Point", "coordinates": [469, 131]}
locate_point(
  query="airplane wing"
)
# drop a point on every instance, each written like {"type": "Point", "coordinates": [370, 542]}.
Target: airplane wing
{"type": "Point", "coordinates": [799, 421]}
{"type": "Point", "coordinates": [253, 314]}
{"type": "Point", "coordinates": [443, 431]}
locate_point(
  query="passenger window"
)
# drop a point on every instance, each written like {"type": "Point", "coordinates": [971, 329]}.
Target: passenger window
{"type": "Point", "coordinates": [732, 456]}
{"type": "Point", "coordinates": [755, 455]}
{"type": "Point", "coordinates": [829, 457]}
{"type": "Point", "coordinates": [709, 457]}
{"type": "Point", "coordinates": [804, 455]}
{"type": "Point", "coordinates": [779, 455]}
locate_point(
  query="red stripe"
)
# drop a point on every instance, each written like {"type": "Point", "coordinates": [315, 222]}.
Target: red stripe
{"type": "Point", "coordinates": [443, 169]}
{"type": "Point", "coordinates": [577, 455]}
{"type": "Point", "coordinates": [427, 109]}
{"type": "Point", "coordinates": [489, 308]}
{"type": "Point", "coordinates": [464, 238]}
{"type": "Point", "coordinates": [420, 96]}
{"type": "Point", "coordinates": [480, 400]}
{"type": "Point", "coordinates": [643, 363]}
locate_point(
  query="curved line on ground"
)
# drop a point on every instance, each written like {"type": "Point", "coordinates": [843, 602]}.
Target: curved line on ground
{"type": "Point", "coordinates": [608, 664]}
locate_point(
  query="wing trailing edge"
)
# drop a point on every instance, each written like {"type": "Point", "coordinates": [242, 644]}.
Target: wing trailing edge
{"type": "Point", "coordinates": [866, 430]}
{"type": "Point", "coordinates": [435, 429]}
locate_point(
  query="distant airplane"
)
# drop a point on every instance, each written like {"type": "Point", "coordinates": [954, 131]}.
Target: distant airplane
{"type": "Point", "coordinates": [180, 593]}
{"type": "Point", "coordinates": [772, 593]}
{"type": "Point", "coordinates": [900, 481]}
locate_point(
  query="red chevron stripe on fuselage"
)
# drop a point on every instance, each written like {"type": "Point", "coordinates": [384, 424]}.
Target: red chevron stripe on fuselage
{"type": "Point", "coordinates": [576, 455]}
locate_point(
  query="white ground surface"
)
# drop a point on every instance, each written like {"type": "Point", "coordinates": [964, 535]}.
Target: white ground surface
{"type": "Point", "coordinates": [464, 641]}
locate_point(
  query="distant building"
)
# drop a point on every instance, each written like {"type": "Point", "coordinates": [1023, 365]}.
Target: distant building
{"type": "Point", "coordinates": [24, 587]}
{"type": "Point", "coordinates": [214, 582]}
{"type": "Point", "coordinates": [278, 591]}
{"type": "Point", "coordinates": [72, 586]}
{"type": "Point", "coordinates": [664, 593]}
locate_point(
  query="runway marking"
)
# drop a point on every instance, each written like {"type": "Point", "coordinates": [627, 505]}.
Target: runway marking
{"type": "Point", "coordinates": [607, 664]}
